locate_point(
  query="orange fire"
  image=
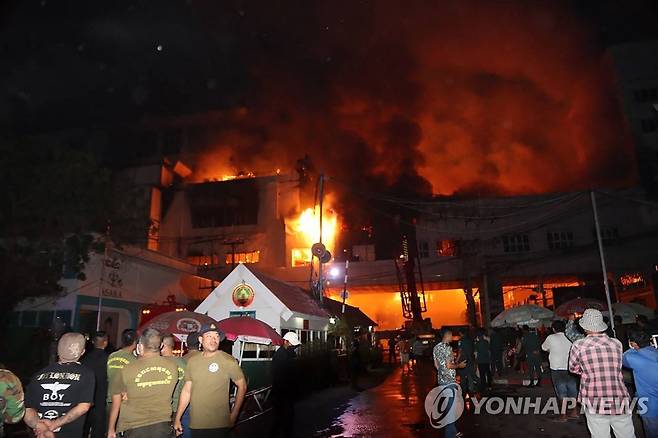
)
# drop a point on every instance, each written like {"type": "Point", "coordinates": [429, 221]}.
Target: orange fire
{"type": "Point", "coordinates": [306, 228]}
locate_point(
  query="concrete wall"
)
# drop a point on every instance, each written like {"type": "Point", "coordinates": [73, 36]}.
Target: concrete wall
{"type": "Point", "coordinates": [131, 278]}
{"type": "Point", "coordinates": [279, 199]}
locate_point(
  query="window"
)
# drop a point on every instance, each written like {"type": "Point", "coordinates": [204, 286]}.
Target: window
{"type": "Point", "coordinates": [301, 256]}
{"type": "Point", "coordinates": [224, 204]}
{"type": "Point", "coordinates": [203, 260]}
{"type": "Point", "coordinates": [559, 240]}
{"type": "Point", "coordinates": [649, 125]}
{"type": "Point", "coordinates": [243, 257]}
{"type": "Point", "coordinates": [256, 352]}
{"type": "Point", "coordinates": [608, 235]}
{"type": "Point", "coordinates": [447, 248]}
{"type": "Point", "coordinates": [516, 243]}
{"type": "Point", "coordinates": [423, 249]}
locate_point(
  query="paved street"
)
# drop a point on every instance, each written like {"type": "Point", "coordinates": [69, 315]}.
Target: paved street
{"type": "Point", "coordinates": [395, 409]}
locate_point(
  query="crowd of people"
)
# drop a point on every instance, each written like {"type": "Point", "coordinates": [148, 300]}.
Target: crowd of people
{"type": "Point", "coordinates": [587, 361]}
{"type": "Point", "coordinates": [143, 390]}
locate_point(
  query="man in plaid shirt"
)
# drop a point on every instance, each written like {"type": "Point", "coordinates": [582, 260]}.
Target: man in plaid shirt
{"type": "Point", "coordinates": [597, 358]}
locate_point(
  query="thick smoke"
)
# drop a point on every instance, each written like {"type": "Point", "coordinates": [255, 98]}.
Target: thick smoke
{"type": "Point", "coordinates": [425, 97]}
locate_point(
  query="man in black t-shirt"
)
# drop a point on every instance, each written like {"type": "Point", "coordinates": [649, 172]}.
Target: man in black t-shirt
{"type": "Point", "coordinates": [59, 396]}
{"type": "Point", "coordinates": [284, 388]}
{"type": "Point", "coordinates": [96, 361]}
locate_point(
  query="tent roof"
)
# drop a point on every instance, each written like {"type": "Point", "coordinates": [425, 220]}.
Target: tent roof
{"type": "Point", "coordinates": [353, 315]}
{"type": "Point", "coordinates": [293, 297]}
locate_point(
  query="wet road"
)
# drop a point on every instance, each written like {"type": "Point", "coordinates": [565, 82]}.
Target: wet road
{"type": "Point", "coordinates": [395, 408]}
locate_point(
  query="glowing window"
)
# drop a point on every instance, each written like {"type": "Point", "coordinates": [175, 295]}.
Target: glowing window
{"type": "Point", "coordinates": [243, 257]}
{"type": "Point", "coordinates": [301, 256]}
{"type": "Point", "coordinates": [447, 248]}
{"type": "Point", "coordinates": [203, 260]}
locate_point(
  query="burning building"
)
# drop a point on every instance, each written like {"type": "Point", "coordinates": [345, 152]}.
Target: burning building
{"type": "Point", "coordinates": [266, 221]}
{"type": "Point", "coordinates": [501, 251]}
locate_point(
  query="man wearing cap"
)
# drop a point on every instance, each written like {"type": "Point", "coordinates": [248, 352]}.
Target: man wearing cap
{"type": "Point", "coordinates": [148, 384]}
{"type": "Point", "coordinates": [284, 386]}
{"type": "Point", "coordinates": [59, 396]}
{"type": "Point", "coordinates": [206, 390]}
{"type": "Point", "coordinates": [597, 358]}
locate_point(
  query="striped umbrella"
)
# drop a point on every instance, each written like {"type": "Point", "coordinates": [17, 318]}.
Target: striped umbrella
{"type": "Point", "coordinates": [628, 311]}
{"type": "Point", "coordinates": [527, 314]}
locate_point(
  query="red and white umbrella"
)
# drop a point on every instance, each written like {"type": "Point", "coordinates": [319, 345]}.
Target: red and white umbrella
{"type": "Point", "coordinates": [247, 329]}
{"type": "Point", "coordinates": [179, 324]}
{"type": "Point", "coordinates": [578, 305]}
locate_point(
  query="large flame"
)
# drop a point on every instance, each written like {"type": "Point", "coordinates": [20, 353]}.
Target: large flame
{"type": "Point", "coordinates": [306, 228]}
{"type": "Point", "coordinates": [308, 224]}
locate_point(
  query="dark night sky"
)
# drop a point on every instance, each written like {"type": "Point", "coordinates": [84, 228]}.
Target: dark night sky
{"type": "Point", "coordinates": [74, 62]}
{"type": "Point", "coordinates": [457, 96]}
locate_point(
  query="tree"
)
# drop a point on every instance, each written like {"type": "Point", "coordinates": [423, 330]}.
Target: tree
{"type": "Point", "coordinates": [53, 200]}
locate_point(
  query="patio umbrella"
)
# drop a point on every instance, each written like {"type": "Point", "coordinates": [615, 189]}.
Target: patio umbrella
{"type": "Point", "coordinates": [249, 329]}
{"type": "Point", "coordinates": [180, 324]}
{"type": "Point", "coordinates": [628, 311]}
{"type": "Point", "coordinates": [527, 314]}
{"type": "Point", "coordinates": [578, 305]}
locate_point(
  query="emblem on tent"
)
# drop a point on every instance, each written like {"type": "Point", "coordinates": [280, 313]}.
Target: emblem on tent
{"type": "Point", "coordinates": [243, 295]}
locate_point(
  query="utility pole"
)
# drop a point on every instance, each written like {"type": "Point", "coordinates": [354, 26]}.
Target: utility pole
{"type": "Point", "coordinates": [321, 200]}
{"type": "Point", "coordinates": [233, 243]}
{"type": "Point", "coordinates": [597, 226]}
{"type": "Point", "coordinates": [344, 294]}
{"type": "Point", "coordinates": [484, 298]}
{"type": "Point", "coordinates": [101, 280]}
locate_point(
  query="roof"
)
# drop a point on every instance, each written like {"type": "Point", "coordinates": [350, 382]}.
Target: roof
{"type": "Point", "coordinates": [293, 297]}
{"type": "Point", "coordinates": [353, 315]}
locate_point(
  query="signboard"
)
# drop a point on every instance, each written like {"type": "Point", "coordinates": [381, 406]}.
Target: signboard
{"type": "Point", "coordinates": [249, 313]}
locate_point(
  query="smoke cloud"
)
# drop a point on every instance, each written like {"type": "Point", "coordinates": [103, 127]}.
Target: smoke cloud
{"type": "Point", "coordinates": [450, 97]}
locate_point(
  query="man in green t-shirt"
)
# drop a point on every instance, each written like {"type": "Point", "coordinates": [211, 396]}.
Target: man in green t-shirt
{"type": "Point", "coordinates": [168, 345]}
{"type": "Point", "coordinates": [206, 390]}
{"type": "Point", "coordinates": [148, 384]}
{"type": "Point", "coordinates": [120, 358]}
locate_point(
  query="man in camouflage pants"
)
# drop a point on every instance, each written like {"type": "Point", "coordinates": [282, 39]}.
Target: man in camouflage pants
{"type": "Point", "coordinates": [12, 407]}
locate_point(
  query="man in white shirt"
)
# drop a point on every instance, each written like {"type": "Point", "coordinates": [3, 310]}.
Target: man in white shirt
{"type": "Point", "coordinates": [565, 383]}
